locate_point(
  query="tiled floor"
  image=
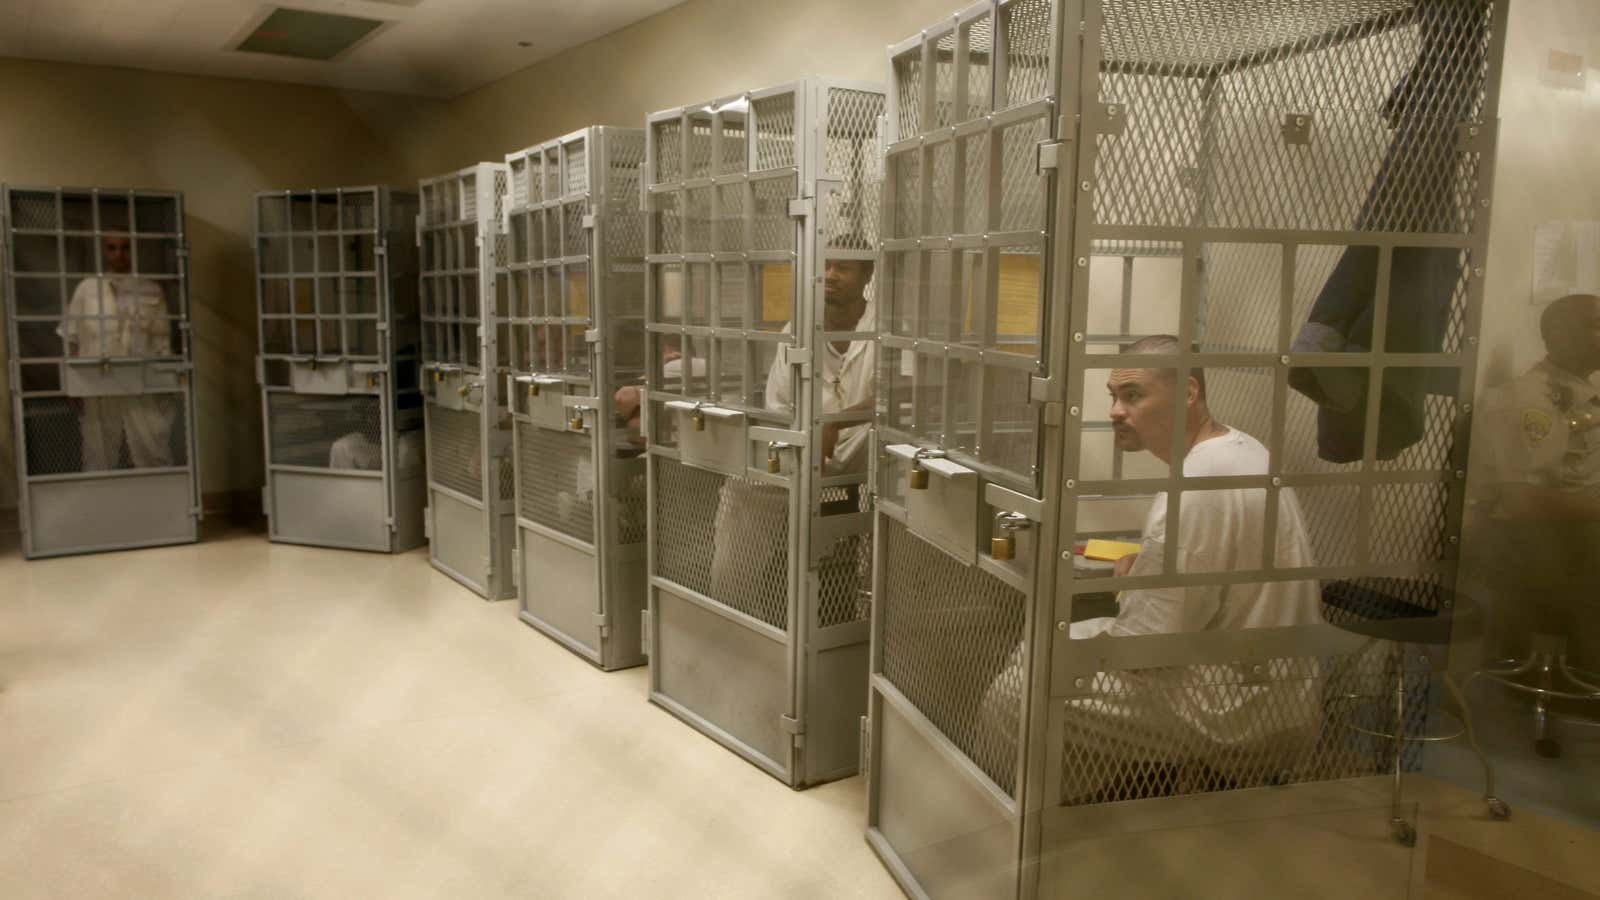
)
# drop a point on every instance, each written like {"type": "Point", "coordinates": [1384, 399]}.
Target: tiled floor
{"type": "Point", "coordinates": [241, 719]}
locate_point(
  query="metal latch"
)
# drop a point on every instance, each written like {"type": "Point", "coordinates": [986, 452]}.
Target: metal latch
{"type": "Point", "coordinates": [802, 207]}
{"type": "Point", "coordinates": [794, 355]}
{"type": "Point", "coordinates": [588, 220]}
{"type": "Point", "coordinates": [1049, 156]}
{"type": "Point", "coordinates": [792, 724]}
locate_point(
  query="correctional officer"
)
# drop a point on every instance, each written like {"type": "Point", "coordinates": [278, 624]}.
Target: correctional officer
{"type": "Point", "coordinates": [117, 316]}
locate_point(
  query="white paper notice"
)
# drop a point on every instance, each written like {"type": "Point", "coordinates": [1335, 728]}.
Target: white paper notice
{"type": "Point", "coordinates": [1566, 259]}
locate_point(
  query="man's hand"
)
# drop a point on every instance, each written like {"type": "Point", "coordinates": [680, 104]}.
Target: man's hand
{"type": "Point", "coordinates": [1124, 565]}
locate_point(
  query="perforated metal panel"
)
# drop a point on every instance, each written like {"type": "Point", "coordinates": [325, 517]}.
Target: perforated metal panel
{"type": "Point", "coordinates": [94, 284]}
{"type": "Point", "coordinates": [1296, 193]}
{"type": "Point", "coordinates": [340, 365]}
{"type": "Point", "coordinates": [754, 200]}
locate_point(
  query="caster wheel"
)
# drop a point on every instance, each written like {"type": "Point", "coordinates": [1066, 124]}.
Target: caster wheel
{"type": "Point", "coordinates": [1549, 748]}
{"type": "Point", "coordinates": [1403, 833]}
{"type": "Point", "coordinates": [1498, 808]}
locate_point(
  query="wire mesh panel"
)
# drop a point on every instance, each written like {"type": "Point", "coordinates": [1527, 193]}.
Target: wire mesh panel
{"type": "Point", "coordinates": [570, 313]}
{"type": "Point", "coordinates": [340, 366]}
{"type": "Point", "coordinates": [1274, 213]}
{"type": "Point", "coordinates": [462, 244]}
{"type": "Point", "coordinates": [95, 294]}
{"type": "Point", "coordinates": [760, 280]}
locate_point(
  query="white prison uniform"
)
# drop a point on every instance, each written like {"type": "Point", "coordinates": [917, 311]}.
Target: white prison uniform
{"type": "Point", "coordinates": [135, 324]}
{"type": "Point", "coordinates": [355, 451]}
{"type": "Point", "coordinates": [848, 379]}
{"type": "Point", "coordinates": [1179, 713]}
{"type": "Point", "coordinates": [751, 545]}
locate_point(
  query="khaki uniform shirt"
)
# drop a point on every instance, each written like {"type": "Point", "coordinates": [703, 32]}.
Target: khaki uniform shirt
{"type": "Point", "coordinates": [1541, 429]}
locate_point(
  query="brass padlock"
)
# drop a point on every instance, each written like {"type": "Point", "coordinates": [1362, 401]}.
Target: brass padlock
{"type": "Point", "coordinates": [1003, 546]}
{"type": "Point", "coordinates": [464, 390]}
{"type": "Point", "coordinates": [699, 420]}
{"type": "Point", "coordinates": [576, 422]}
{"type": "Point", "coordinates": [105, 366]}
{"type": "Point", "coordinates": [372, 381]}
{"type": "Point", "coordinates": [919, 477]}
{"type": "Point", "coordinates": [183, 377]}
{"type": "Point", "coordinates": [533, 389]}
{"type": "Point", "coordinates": [774, 464]}
{"type": "Point", "coordinates": [438, 375]}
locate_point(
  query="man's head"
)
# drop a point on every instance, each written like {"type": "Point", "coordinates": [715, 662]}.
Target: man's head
{"type": "Point", "coordinates": [1571, 331]}
{"type": "Point", "coordinates": [1142, 400]}
{"type": "Point", "coordinates": [116, 254]}
{"type": "Point", "coordinates": [845, 281]}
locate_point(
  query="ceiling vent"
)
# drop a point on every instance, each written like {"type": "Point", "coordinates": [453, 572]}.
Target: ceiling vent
{"type": "Point", "coordinates": [307, 35]}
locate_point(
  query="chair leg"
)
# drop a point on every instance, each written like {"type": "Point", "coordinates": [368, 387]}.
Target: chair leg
{"type": "Point", "coordinates": [1497, 808]}
{"type": "Point", "coordinates": [1543, 744]}
{"type": "Point", "coordinates": [1401, 830]}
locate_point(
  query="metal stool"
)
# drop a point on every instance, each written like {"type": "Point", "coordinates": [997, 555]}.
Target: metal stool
{"type": "Point", "coordinates": [1547, 662]}
{"type": "Point", "coordinates": [1375, 608]}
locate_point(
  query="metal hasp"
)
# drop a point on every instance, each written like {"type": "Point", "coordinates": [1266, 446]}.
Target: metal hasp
{"type": "Point", "coordinates": [571, 312]}
{"type": "Point", "coordinates": [95, 288]}
{"type": "Point", "coordinates": [471, 479]}
{"type": "Point", "coordinates": [1284, 189]}
{"type": "Point", "coordinates": [758, 439]}
{"type": "Point", "coordinates": [340, 367]}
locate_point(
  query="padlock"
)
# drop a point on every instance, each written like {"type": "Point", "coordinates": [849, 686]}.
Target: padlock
{"type": "Point", "coordinates": [699, 419]}
{"type": "Point", "coordinates": [464, 390]}
{"type": "Point", "coordinates": [1003, 545]}
{"type": "Point", "coordinates": [774, 464]}
{"type": "Point", "coordinates": [438, 375]}
{"type": "Point", "coordinates": [372, 381]}
{"type": "Point", "coordinates": [105, 366]}
{"type": "Point", "coordinates": [919, 477]}
{"type": "Point", "coordinates": [533, 389]}
{"type": "Point", "coordinates": [576, 422]}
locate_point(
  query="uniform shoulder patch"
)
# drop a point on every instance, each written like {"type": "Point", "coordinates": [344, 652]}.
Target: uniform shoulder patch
{"type": "Point", "coordinates": [1536, 425]}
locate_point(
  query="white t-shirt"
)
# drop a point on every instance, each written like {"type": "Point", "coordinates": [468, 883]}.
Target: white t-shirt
{"type": "Point", "coordinates": [848, 379]}
{"type": "Point", "coordinates": [1220, 531]}
{"type": "Point", "coordinates": [135, 318]}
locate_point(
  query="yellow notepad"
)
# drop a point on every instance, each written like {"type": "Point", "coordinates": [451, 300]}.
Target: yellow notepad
{"type": "Point", "coordinates": [1109, 550]}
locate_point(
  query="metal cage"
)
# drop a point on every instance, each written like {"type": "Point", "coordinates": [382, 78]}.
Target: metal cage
{"type": "Point", "coordinates": [470, 520]}
{"type": "Point", "coordinates": [758, 539]}
{"type": "Point", "coordinates": [570, 314]}
{"type": "Point", "coordinates": [340, 367]}
{"type": "Point", "coordinates": [96, 290]}
{"type": "Point", "coordinates": [1298, 193]}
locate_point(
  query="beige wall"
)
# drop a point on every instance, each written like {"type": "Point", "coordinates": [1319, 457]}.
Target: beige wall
{"type": "Point", "coordinates": [698, 51]}
{"type": "Point", "coordinates": [219, 141]}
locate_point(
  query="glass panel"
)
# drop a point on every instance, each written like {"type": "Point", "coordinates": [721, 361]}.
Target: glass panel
{"type": "Point", "coordinates": [577, 294]}
{"type": "Point", "coordinates": [764, 394]}
{"type": "Point", "coordinates": [1017, 308]}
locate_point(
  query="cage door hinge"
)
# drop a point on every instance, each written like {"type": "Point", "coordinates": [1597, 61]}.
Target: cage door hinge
{"type": "Point", "coordinates": [183, 250]}
{"type": "Point", "coordinates": [1047, 393]}
{"type": "Point", "coordinates": [266, 499]}
{"type": "Point", "coordinates": [593, 335]}
{"type": "Point", "coordinates": [602, 621]}
{"type": "Point", "coordinates": [488, 568]}
{"type": "Point", "coordinates": [588, 220]}
{"type": "Point", "coordinates": [417, 221]}
{"type": "Point", "coordinates": [516, 569]}
{"type": "Point", "coordinates": [644, 631]}
{"type": "Point", "coordinates": [390, 522]}
{"type": "Point", "coordinates": [261, 371]}
{"type": "Point", "coordinates": [802, 207]}
{"type": "Point", "coordinates": [427, 522]}
{"type": "Point", "coordinates": [1049, 156]}
{"type": "Point", "coordinates": [865, 748]}
{"type": "Point", "coordinates": [794, 355]}
{"type": "Point", "coordinates": [792, 724]}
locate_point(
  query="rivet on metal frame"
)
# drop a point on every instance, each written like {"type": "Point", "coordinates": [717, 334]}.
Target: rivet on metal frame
{"type": "Point", "coordinates": [1072, 483]}
{"type": "Point", "coordinates": [105, 366]}
{"type": "Point", "coordinates": [1276, 481]}
{"type": "Point", "coordinates": [1284, 359]}
{"type": "Point", "coordinates": [1061, 626]}
{"type": "Point", "coordinates": [1073, 411]}
{"type": "Point", "coordinates": [1077, 337]}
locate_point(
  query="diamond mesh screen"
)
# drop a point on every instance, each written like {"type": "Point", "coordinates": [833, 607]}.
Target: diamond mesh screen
{"type": "Point", "coordinates": [632, 507]}
{"type": "Point", "coordinates": [1206, 728]}
{"type": "Point", "coordinates": [852, 213]}
{"type": "Point", "coordinates": [624, 221]}
{"type": "Point", "coordinates": [727, 538]}
{"type": "Point", "coordinates": [455, 451]}
{"type": "Point", "coordinates": [949, 632]}
{"type": "Point", "coordinates": [1381, 88]}
{"type": "Point", "coordinates": [557, 470]}
{"type": "Point", "coordinates": [1029, 41]}
{"type": "Point", "coordinates": [325, 431]}
{"type": "Point", "coordinates": [95, 434]}
{"type": "Point", "coordinates": [775, 131]}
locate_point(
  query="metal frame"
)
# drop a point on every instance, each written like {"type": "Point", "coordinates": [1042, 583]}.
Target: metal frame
{"type": "Point", "coordinates": [375, 358]}
{"type": "Point", "coordinates": [737, 189]}
{"type": "Point", "coordinates": [571, 318]}
{"type": "Point", "coordinates": [122, 515]}
{"type": "Point", "coordinates": [469, 517]}
{"type": "Point", "coordinates": [1008, 829]}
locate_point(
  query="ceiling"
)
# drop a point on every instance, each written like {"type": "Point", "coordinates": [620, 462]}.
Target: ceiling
{"type": "Point", "coordinates": [436, 48]}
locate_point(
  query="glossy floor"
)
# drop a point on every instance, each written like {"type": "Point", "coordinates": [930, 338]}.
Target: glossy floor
{"type": "Point", "coordinates": [243, 719]}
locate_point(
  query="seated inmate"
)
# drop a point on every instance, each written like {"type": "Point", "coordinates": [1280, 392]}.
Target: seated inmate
{"type": "Point", "coordinates": [749, 558]}
{"type": "Point", "coordinates": [1218, 723]}
{"type": "Point", "coordinates": [1219, 531]}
